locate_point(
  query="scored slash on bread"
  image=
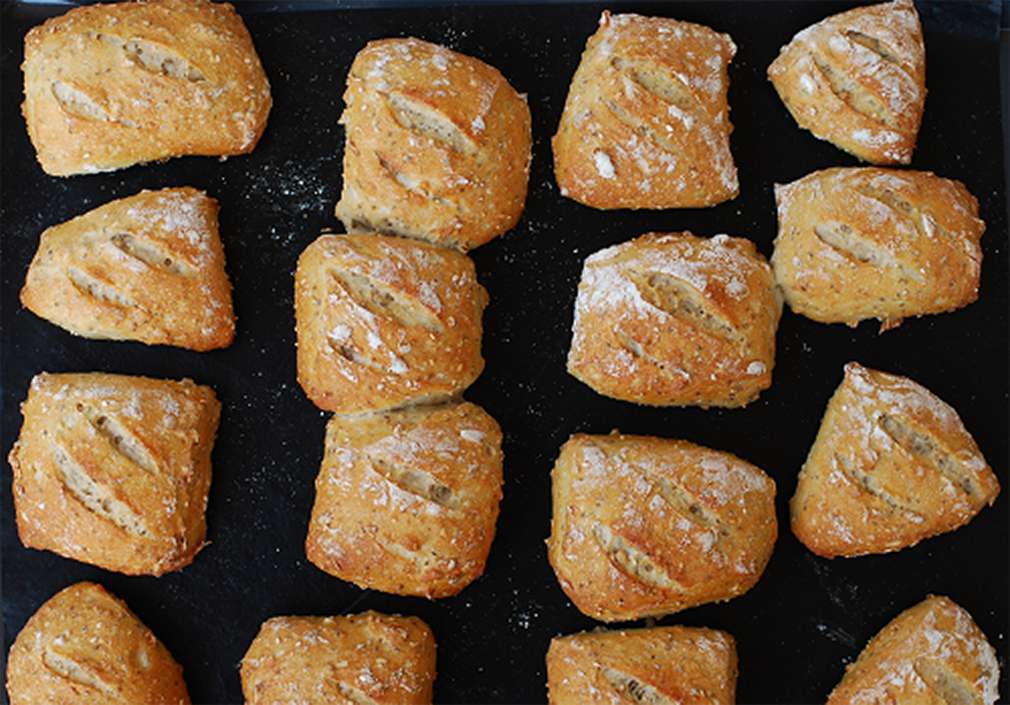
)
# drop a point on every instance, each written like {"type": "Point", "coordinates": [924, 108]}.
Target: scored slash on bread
{"type": "Point", "coordinates": [149, 267]}
{"type": "Point", "coordinates": [653, 666]}
{"type": "Point", "coordinates": [646, 122]}
{"type": "Point", "coordinates": [674, 319]}
{"type": "Point", "coordinates": [858, 80]}
{"type": "Point", "coordinates": [892, 465]}
{"type": "Point", "coordinates": [361, 659]}
{"type": "Point", "coordinates": [932, 653]}
{"type": "Point", "coordinates": [406, 501]}
{"type": "Point", "coordinates": [647, 526]}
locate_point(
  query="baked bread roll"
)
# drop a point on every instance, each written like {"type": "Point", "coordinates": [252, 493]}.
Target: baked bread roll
{"type": "Point", "coordinates": [149, 267]}
{"type": "Point", "coordinates": [384, 322]}
{"type": "Point", "coordinates": [876, 243]}
{"type": "Point", "coordinates": [858, 80]}
{"type": "Point", "coordinates": [406, 501]}
{"type": "Point", "coordinates": [114, 470]}
{"type": "Point", "coordinates": [676, 320]}
{"type": "Point", "coordinates": [438, 145]}
{"type": "Point", "coordinates": [655, 666]}
{"type": "Point", "coordinates": [646, 123]}
{"type": "Point", "coordinates": [645, 526]}
{"type": "Point", "coordinates": [892, 465]}
{"type": "Point", "coordinates": [84, 646]}
{"type": "Point", "coordinates": [930, 654]}
{"type": "Point", "coordinates": [364, 658]}
{"type": "Point", "coordinates": [109, 86]}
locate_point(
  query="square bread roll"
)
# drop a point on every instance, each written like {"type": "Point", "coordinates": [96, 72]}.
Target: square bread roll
{"type": "Point", "coordinates": [930, 654]}
{"type": "Point", "coordinates": [438, 145]}
{"type": "Point", "coordinates": [108, 86]}
{"type": "Point", "coordinates": [367, 658]}
{"type": "Point", "coordinates": [655, 666]}
{"type": "Point", "coordinates": [384, 322]}
{"type": "Point", "coordinates": [892, 465]}
{"type": "Point", "coordinates": [858, 80]}
{"type": "Point", "coordinates": [114, 470]}
{"type": "Point", "coordinates": [867, 243]}
{"type": "Point", "coordinates": [676, 320]}
{"type": "Point", "coordinates": [85, 647]}
{"type": "Point", "coordinates": [644, 527]}
{"type": "Point", "coordinates": [406, 501]}
{"type": "Point", "coordinates": [646, 123]}
{"type": "Point", "coordinates": [149, 267]}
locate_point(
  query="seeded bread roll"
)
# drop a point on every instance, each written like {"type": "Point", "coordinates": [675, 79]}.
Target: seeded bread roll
{"type": "Point", "coordinates": [109, 86]}
{"type": "Point", "coordinates": [114, 470]}
{"type": "Point", "coordinates": [646, 123]}
{"type": "Point", "coordinates": [876, 243]}
{"type": "Point", "coordinates": [676, 320]}
{"type": "Point", "coordinates": [438, 145]}
{"type": "Point", "coordinates": [930, 654]}
{"type": "Point", "coordinates": [149, 267]}
{"type": "Point", "coordinates": [385, 322]}
{"type": "Point", "coordinates": [364, 658]}
{"type": "Point", "coordinates": [656, 666]}
{"type": "Point", "coordinates": [84, 647]}
{"type": "Point", "coordinates": [406, 501]}
{"type": "Point", "coordinates": [892, 465]}
{"type": "Point", "coordinates": [858, 80]}
{"type": "Point", "coordinates": [644, 527]}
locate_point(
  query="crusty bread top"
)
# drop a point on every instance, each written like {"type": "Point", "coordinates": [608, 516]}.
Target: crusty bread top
{"type": "Point", "coordinates": [438, 145]}
{"type": "Point", "coordinates": [857, 79]}
{"type": "Point", "coordinates": [110, 85]}
{"type": "Point", "coordinates": [85, 647]}
{"type": "Point", "coordinates": [367, 658]}
{"type": "Point", "coordinates": [929, 654]}
{"type": "Point", "coordinates": [646, 123]}
{"type": "Point", "coordinates": [892, 464]}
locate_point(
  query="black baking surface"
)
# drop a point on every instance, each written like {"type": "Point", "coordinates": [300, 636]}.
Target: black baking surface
{"type": "Point", "coordinates": [804, 620]}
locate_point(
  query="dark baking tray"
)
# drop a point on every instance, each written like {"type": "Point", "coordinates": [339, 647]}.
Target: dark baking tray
{"type": "Point", "coordinates": [807, 617]}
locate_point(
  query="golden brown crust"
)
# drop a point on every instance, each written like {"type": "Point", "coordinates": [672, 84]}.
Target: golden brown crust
{"type": "Point", "coordinates": [406, 501]}
{"type": "Point", "coordinates": [84, 646]}
{"type": "Point", "coordinates": [438, 145]}
{"type": "Point", "coordinates": [367, 658]}
{"type": "Point", "coordinates": [647, 526]}
{"type": "Point", "coordinates": [646, 123]}
{"type": "Point", "coordinates": [876, 243]}
{"type": "Point", "coordinates": [114, 470]}
{"type": "Point", "coordinates": [655, 666]}
{"type": "Point", "coordinates": [930, 654]}
{"type": "Point", "coordinates": [892, 465]}
{"type": "Point", "coordinates": [858, 80]}
{"type": "Point", "coordinates": [385, 322]}
{"type": "Point", "coordinates": [108, 86]}
{"type": "Point", "coordinates": [674, 320]}
{"type": "Point", "coordinates": [149, 267]}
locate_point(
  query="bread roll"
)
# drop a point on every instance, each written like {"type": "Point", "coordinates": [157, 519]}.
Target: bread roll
{"type": "Point", "coordinates": [930, 654]}
{"type": "Point", "coordinates": [114, 470]}
{"type": "Point", "coordinates": [85, 647]}
{"type": "Point", "coordinates": [406, 501]}
{"type": "Point", "coordinates": [438, 145]}
{"type": "Point", "coordinates": [858, 80]}
{"type": "Point", "coordinates": [645, 526]}
{"type": "Point", "coordinates": [109, 86]}
{"type": "Point", "coordinates": [646, 123]}
{"type": "Point", "coordinates": [149, 267]}
{"type": "Point", "coordinates": [876, 243]}
{"type": "Point", "coordinates": [676, 320]}
{"type": "Point", "coordinates": [892, 465]}
{"type": "Point", "coordinates": [655, 666]}
{"type": "Point", "coordinates": [367, 658]}
{"type": "Point", "coordinates": [384, 322]}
